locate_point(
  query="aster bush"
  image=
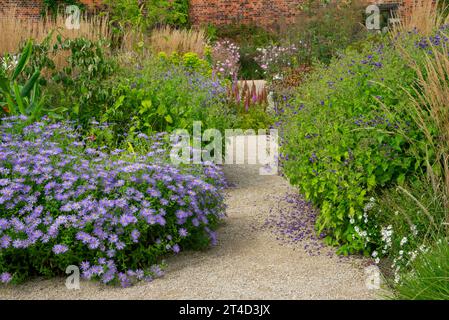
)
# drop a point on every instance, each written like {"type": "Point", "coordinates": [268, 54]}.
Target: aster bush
{"type": "Point", "coordinates": [113, 213]}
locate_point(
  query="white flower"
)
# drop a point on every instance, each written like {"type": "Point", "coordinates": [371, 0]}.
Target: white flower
{"type": "Point", "coordinates": [351, 221]}
{"type": "Point", "coordinates": [377, 260]}
{"type": "Point", "coordinates": [414, 230]}
{"type": "Point", "coordinates": [403, 241]}
{"type": "Point", "coordinates": [374, 254]}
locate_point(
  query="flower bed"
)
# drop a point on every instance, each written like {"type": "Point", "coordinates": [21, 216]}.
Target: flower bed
{"type": "Point", "coordinates": [114, 214]}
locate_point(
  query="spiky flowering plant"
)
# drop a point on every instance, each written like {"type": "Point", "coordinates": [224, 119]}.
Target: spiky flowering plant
{"type": "Point", "coordinates": [112, 213]}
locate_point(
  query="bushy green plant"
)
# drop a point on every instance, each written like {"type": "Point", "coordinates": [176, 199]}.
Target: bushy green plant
{"type": "Point", "coordinates": [402, 223]}
{"type": "Point", "coordinates": [144, 15]}
{"type": "Point", "coordinates": [165, 96]}
{"type": "Point", "coordinates": [189, 60]}
{"type": "Point", "coordinates": [83, 89]}
{"type": "Point", "coordinates": [256, 117]}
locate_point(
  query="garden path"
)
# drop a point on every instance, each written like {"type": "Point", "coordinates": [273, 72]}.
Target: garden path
{"type": "Point", "coordinates": [248, 262]}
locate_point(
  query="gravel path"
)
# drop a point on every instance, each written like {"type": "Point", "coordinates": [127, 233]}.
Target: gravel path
{"type": "Point", "coordinates": [247, 263]}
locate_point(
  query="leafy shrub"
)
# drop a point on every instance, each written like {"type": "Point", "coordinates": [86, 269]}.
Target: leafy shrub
{"type": "Point", "coordinates": [189, 60]}
{"type": "Point", "coordinates": [147, 14]}
{"type": "Point", "coordinates": [256, 117]}
{"type": "Point", "coordinates": [112, 213]}
{"type": "Point", "coordinates": [18, 98]}
{"type": "Point", "coordinates": [83, 88]}
{"type": "Point", "coordinates": [165, 96]}
{"type": "Point", "coordinates": [343, 136]}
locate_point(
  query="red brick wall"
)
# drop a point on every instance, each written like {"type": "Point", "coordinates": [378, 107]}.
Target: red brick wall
{"type": "Point", "coordinates": [24, 8]}
{"type": "Point", "coordinates": [33, 8]}
{"type": "Point", "coordinates": [268, 13]}
{"type": "Point", "coordinates": [262, 12]}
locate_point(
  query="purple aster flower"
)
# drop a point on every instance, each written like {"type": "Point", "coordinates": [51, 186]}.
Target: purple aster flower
{"type": "Point", "coordinates": [176, 248]}
{"type": "Point", "coordinates": [85, 265]}
{"type": "Point", "coordinates": [127, 219]}
{"type": "Point", "coordinates": [60, 248]}
{"type": "Point", "coordinates": [5, 277]}
{"type": "Point", "coordinates": [135, 234]}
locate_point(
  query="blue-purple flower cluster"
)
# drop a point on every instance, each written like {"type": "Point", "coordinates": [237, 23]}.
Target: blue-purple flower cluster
{"type": "Point", "coordinates": [114, 214]}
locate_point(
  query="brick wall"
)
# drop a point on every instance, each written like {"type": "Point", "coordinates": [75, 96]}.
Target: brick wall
{"type": "Point", "coordinates": [262, 12]}
{"type": "Point", "coordinates": [268, 13]}
{"type": "Point", "coordinates": [24, 8]}
{"type": "Point", "coordinates": [33, 8]}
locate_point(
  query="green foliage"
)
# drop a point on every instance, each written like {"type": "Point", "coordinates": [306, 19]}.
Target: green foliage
{"type": "Point", "coordinates": [316, 32]}
{"type": "Point", "coordinates": [145, 15]}
{"type": "Point", "coordinates": [164, 96]}
{"type": "Point", "coordinates": [52, 6]}
{"type": "Point", "coordinates": [83, 88]}
{"type": "Point", "coordinates": [189, 60]}
{"type": "Point", "coordinates": [343, 137]}
{"type": "Point", "coordinates": [255, 118]}
{"type": "Point", "coordinates": [402, 223]}
{"type": "Point", "coordinates": [21, 98]}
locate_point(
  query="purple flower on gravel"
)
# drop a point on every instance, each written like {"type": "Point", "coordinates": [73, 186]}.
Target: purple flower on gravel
{"type": "Point", "coordinates": [156, 270]}
{"type": "Point", "coordinates": [176, 248]}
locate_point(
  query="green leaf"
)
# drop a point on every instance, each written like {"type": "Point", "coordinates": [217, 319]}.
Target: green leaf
{"type": "Point", "coordinates": [19, 99]}
{"type": "Point", "coordinates": [169, 119]}
{"type": "Point", "coordinates": [401, 179]}
{"type": "Point", "coordinates": [30, 84]}
{"type": "Point", "coordinates": [24, 58]}
{"type": "Point", "coordinates": [4, 84]}
{"type": "Point", "coordinates": [161, 110]}
{"type": "Point", "coordinates": [371, 181]}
